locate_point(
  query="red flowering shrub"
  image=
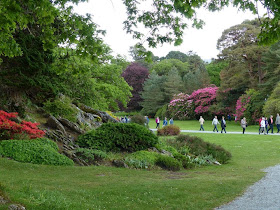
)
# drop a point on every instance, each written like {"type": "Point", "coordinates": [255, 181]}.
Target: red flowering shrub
{"type": "Point", "coordinates": [10, 129]}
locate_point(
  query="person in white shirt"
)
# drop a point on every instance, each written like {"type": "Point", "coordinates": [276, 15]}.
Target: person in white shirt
{"type": "Point", "coordinates": [201, 121]}
{"type": "Point", "coordinates": [215, 122]}
{"type": "Point", "coordinates": [262, 127]}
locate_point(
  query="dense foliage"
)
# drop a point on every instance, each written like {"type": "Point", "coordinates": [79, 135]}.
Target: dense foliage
{"type": "Point", "coordinates": [37, 151]}
{"type": "Point", "coordinates": [128, 137]}
{"type": "Point", "coordinates": [168, 163]}
{"type": "Point", "coordinates": [9, 129]}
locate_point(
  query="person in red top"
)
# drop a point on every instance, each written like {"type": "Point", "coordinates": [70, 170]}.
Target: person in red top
{"type": "Point", "coordinates": [270, 123]}
{"type": "Point", "coordinates": [260, 120]}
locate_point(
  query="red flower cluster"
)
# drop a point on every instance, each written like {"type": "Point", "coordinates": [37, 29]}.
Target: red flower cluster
{"type": "Point", "coordinates": [9, 128]}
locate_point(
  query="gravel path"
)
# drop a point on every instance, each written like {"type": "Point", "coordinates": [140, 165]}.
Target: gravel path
{"type": "Point", "coordinates": [263, 195]}
{"type": "Point", "coordinates": [196, 131]}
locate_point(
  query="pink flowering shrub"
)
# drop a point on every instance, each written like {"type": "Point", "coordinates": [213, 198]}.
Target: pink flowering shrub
{"type": "Point", "coordinates": [203, 99]}
{"type": "Point", "coordinates": [180, 106]}
{"type": "Point", "coordinates": [184, 106]}
{"type": "Point", "coordinates": [241, 106]}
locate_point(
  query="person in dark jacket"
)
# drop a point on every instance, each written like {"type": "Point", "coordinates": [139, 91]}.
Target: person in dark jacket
{"type": "Point", "coordinates": [270, 123]}
{"type": "Point", "coordinates": [223, 124]}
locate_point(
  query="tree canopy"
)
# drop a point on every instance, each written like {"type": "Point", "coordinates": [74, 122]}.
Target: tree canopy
{"type": "Point", "coordinates": [171, 15]}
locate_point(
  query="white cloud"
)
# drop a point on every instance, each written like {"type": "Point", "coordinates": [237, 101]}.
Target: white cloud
{"type": "Point", "coordinates": [110, 14]}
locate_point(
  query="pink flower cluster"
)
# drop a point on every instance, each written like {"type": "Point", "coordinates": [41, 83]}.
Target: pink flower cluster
{"type": "Point", "coordinates": [203, 99]}
{"type": "Point", "coordinates": [241, 106]}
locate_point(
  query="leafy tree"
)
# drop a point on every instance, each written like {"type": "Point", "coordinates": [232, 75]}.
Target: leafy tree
{"type": "Point", "coordinates": [163, 67]}
{"type": "Point", "coordinates": [51, 22]}
{"type": "Point", "coordinates": [240, 48]}
{"type": "Point", "coordinates": [272, 105]}
{"type": "Point", "coordinates": [176, 55]}
{"type": "Point", "coordinates": [271, 68]}
{"type": "Point", "coordinates": [135, 75]}
{"type": "Point", "coordinates": [153, 94]}
{"type": "Point", "coordinates": [170, 15]}
{"type": "Point", "coordinates": [214, 68]}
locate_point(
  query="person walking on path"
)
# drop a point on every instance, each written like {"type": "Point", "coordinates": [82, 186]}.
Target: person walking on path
{"type": "Point", "coordinates": [244, 124]}
{"type": "Point", "coordinates": [164, 123]}
{"type": "Point", "coordinates": [277, 122]}
{"type": "Point", "coordinates": [223, 124]}
{"type": "Point", "coordinates": [157, 122]}
{"type": "Point", "coordinates": [215, 122]}
{"type": "Point", "coordinates": [171, 122]}
{"type": "Point", "coordinates": [270, 123]}
{"type": "Point", "coordinates": [201, 121]}
{"type": "Point", "coordinates": [266, 123]}
{"type": "Point", "coordinates": [262, 126]}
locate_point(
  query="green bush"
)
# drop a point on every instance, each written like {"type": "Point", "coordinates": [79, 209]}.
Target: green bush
{"type": "Point", "coordinates": [168, 163]}
{"type": "Point", "coordinates": [116, 137]}
{"type": "Point", "coordinates": [38, 151]}
{"type": "Point", "coordinates": [169, 130]}
{"type": "Point", "coordinates": [61, 107]}
{"type": "Point", "coordinates": [138, 119]}
{"type": "Point", "coordinates": [199, 147]}
{"type": "Point", "coordinates": [90, 155]}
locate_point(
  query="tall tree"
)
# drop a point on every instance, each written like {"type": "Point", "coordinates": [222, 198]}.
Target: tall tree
{"type": "Point", "coordinates": [135, 75]}
{"type": "Point", "coordinates": [240, 48]}
{"type": "Point", "coordinates": [173, 84]}
{"type": "Point", "coordinates": [153, 94]}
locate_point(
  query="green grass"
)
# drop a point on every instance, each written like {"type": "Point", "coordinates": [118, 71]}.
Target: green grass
{"type": "Point", "coordinates": [100, 187]}
{"type": "Point", "coordinates": [194, 125]}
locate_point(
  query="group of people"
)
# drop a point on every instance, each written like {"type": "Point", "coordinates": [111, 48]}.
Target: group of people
{"type": "Point", "coordinates": [264, 123]}
{"type": "Point", "coordinates": [215, 122]}
{"type": "Point", "coordinates": [165, 122]}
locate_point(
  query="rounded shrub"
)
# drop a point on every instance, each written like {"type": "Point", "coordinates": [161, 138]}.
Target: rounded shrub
{"type": "Point", "coordinates": [169, 130]}
{"type": "Point", "coordinates": [169, 163]}
{"type": "Point", "coordinates": [117, 137]}
{"type": "Point", "coordinates": [38, 151]}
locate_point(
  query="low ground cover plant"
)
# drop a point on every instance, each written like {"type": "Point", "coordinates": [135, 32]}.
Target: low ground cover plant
{"type": "Point", "coordinates": [37, 151]}
{"type": "Point", "coordinates": [118, 137]}
{"type": "Point", "coordinates": [199, 147]}
{"type": "Point", "coordinates": [91, 155]}
{"type": "Point", "coordinates": [169, 130]}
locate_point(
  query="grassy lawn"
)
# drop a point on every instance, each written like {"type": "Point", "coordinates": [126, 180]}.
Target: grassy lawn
{"type": "Point", "coordinates": [194, 125]}
{"type": "Point", "coordinates": [100, 187]}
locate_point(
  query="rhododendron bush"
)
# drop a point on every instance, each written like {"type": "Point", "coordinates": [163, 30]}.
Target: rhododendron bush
{"type": "Point", "coordinates": [180, 107]}
{"type": "Point", "coordinates": [10, 129]}
{"type": "Point", "coordinates": [249, 105]}
{"type": "Point", "coordinates": [203, 99]}
{"type": "Point", "coordinates": [184, 106]}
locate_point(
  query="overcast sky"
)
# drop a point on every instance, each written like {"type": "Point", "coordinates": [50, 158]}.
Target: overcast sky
{"type": "Point", "coordinates": [110, 14]}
